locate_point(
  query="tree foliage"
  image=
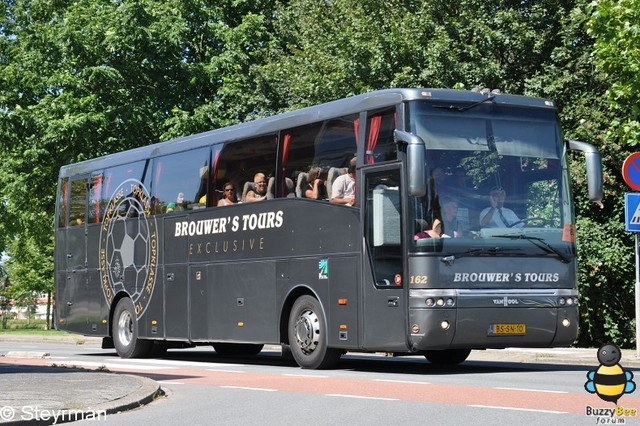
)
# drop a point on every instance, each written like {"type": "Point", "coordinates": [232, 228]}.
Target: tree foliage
{"type": "Point", "coordinates": [80, 79]}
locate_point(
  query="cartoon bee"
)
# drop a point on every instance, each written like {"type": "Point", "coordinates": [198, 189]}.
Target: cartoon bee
{"type": "Point", "coordinates": [610, 381]}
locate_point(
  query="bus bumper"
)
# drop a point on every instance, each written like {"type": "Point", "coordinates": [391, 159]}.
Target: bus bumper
{"type": "Point", "coordinates": [441, 319]}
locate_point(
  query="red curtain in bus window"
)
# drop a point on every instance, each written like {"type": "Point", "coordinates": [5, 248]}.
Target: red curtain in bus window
{"type": "Point", "coordinates": [65, 200]}
{"type": "Point", "coordinates": [97, 194]}
{"type": "Point", "coordinates": [216, 160]}
{"type": "Point", "coordinates": [286, 141]}
{"type": "Point", "coordinates": [374, 131]}
{"type": "Point", "coordinates": [356, 128]}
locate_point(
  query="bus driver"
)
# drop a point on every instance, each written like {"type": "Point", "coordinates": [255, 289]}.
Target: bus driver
{"type": "Point", "coordinates": [498, 216]}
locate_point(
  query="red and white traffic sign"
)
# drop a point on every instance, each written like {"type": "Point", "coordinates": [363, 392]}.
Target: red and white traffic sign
{"type": "Point", "coordinates": [631, 171]}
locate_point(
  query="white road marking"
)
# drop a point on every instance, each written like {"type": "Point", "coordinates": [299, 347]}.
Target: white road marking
{"type": "Point", "coordinates": [173, 362]}
{"type": "Point", "coordinates": [401, 381]}
{"type": "Point", "coordinates": [112, 366]}
{"type": "Point", "coordinates": [312, 376]}
{"type": "Point", "coordinates": [250, 388]}
{"type": "Point", "coordinates": [531, 390]}
{"type": "Point", "coordinates": [339, 395]}
{"type": "Point", "coordinates": [517, 409]}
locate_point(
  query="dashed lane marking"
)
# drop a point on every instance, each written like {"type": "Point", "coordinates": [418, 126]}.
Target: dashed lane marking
{"type": "Point", "coordinates": [531, 390]}
{"type": "Point", "coordinates": [340, 395]}
{"type": "Point", "coordinates": [495, 407]}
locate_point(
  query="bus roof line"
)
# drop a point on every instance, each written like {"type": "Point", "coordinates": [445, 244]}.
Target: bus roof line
{"type": "Point", "coordinates": [295, 118]}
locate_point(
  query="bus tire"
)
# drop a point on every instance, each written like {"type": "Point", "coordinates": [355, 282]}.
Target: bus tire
{"type": "Point", "coordinates": [125, 332]}
{"type": "Point", "coordinates": [308, 335]}
{"type": "Point", "coordinates": [447, 356]}
{"type": "Point", "coordinates": [237, 349]}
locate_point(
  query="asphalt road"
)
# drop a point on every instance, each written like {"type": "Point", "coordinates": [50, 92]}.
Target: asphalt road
{"type": "Point", "coordinates": [491, 388]}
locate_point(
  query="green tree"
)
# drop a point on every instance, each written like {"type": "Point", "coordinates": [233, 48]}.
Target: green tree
{"type": "Point", "coordinates": [538, 48]}
{"type": "Point", "coordinates": [614, 27]}
{"type": "Point", "coordinates": [80, 79]}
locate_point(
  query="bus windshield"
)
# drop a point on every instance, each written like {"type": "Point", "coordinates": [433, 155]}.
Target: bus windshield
{"type": "Point", "coordinates": [496, 182]}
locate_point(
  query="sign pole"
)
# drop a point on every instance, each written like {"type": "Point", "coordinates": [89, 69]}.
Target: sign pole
{"type": "Point", "coordinates": [631, 175]}
{"type": "Point", "coordinates": [637, 289]}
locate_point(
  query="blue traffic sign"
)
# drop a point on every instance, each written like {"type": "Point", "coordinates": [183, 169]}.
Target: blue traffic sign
{"type": "Point", "coordinates": [632, 211]}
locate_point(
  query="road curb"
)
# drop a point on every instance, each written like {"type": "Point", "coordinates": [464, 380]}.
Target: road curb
{"type": "Point", "coordinates": [149, 390]}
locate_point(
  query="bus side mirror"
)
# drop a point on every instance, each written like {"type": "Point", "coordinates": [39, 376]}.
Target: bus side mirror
{"type": "Point", "coordinates": [416, 158]}
{"type": "Point", "coordinates": [594, 168]}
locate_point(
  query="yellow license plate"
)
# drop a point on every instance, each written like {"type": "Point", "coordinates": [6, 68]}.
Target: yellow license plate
{"type": "Point", "coordinates": [507, 329]}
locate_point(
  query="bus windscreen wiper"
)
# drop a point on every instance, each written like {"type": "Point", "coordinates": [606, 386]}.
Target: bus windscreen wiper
{"type": "Point", "coordinates": [540, 243]}
{"type": "Point", "coordinates": [477, 251]}
{"type": "Point", "coordinates": [464, 108]}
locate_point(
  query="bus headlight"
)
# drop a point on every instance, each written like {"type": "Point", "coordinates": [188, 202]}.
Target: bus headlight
{"type": "Point", "coordinates": [440, 302]}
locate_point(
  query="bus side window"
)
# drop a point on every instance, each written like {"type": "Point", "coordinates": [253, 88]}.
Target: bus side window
{"type": "Point", "coordinates": [180, 181]}
{"type": "Point", "coordinates": [116, 176]}
{"type": "Point", "coordinates": [78, 203]}
{"type": "Point", "coordinates": [239, 162]}
{"type": "Point", "coordinates": [328, 144]}
{"type": "Point", "coordinates": [381, 145]}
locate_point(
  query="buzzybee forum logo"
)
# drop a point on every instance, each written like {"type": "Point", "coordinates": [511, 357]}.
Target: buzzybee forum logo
{"type": "Point", "coordinates": [610, 381]}
{"type": "Point", "coordinates": [129, 245]}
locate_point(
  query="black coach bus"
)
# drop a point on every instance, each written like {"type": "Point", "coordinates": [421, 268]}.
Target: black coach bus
{"type": "Point", "coordinates": [460, 236]}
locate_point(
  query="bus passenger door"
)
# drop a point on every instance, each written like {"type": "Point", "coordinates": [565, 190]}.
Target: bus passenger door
{"type": "Point", "coordinates": [74, 298]}
{"type": "Point", "coordinates": [384, 300]}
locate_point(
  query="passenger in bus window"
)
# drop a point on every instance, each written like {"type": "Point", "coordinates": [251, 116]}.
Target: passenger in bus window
{"type": "Point", "coordinates": [260, 191]}
{"type": "Point", "coordinates": [450, 224]}
{"type": "Point", "coordinates": [498, 216]}
{"type": "Point", "coordinates": [228, 195]}
{"type": "Point", "coordinates": [180, 201]}
{"type": "Point", "coordinates": [315, 188]}
{"type": "Point", "coordinates": [434, 232]}
{"type": "Point", "coordinates": [343, 190]}
{"type": "Point", "coordinates": [171, 207]}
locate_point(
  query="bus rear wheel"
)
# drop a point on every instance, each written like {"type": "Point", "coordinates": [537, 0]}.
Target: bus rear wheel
{"type": "Point", "coordinates": [125, 332]}
{"type": "Point", "coordinates": [237, 349]}
{"type": "Point", "coordinates": [447, 356]}
{"type": "Point", "coordinates": [308, 335]}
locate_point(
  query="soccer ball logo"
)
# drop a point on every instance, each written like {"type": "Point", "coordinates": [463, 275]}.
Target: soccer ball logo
{"type": "Point", "coordinates": [128, 246]}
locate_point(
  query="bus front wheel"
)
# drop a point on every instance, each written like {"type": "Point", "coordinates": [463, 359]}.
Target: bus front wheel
{"type": "Point", "coordinates": [125, 332]}
{"type": "Point", "coordinates": [447, 356]}
{"type": "Point", "coordinates": [308, 335]}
